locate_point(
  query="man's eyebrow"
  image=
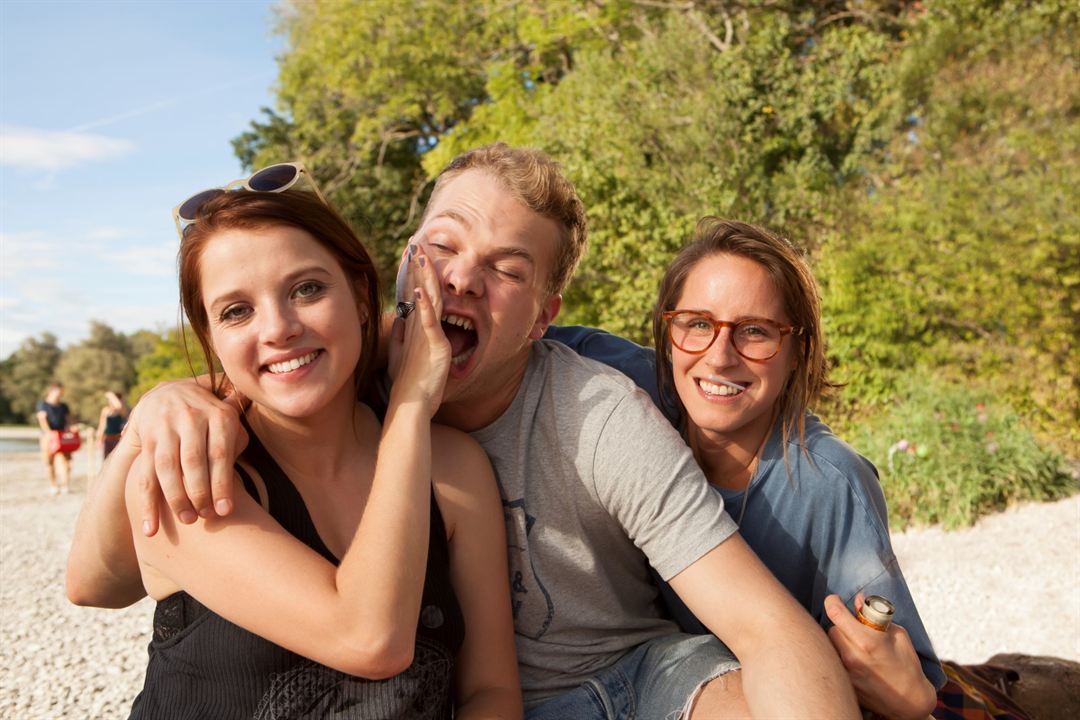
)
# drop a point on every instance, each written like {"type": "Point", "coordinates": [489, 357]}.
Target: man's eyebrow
{"type": "Point", "coordinates": [515, 251]}
{"type": "Point", "coordinates": [505, 251]}
{"type": "Point", "coordinates": [454, 215]}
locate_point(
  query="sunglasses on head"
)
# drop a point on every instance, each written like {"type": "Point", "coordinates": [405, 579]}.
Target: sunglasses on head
{"type": "Point", "coordinates": [274, 178]}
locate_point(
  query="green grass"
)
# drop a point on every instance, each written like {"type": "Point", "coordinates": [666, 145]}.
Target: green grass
{"type": "Point", "coordinates": [950, 454]}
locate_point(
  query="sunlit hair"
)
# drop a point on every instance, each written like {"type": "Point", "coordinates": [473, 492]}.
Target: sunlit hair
{"type": "Point", "coordinates": [291, 208]}
{"type": "Point", "coordinates": [538, 182]}
{"type": "Point", "coordinates": [793, 280]}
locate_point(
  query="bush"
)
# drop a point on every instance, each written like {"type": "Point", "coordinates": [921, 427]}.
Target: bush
{"type": "Point", "coordinates": [949, 454]}
{"type": "Point", "coordinates": [962, 254]}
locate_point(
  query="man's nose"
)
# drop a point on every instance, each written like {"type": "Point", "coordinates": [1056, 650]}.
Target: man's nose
{"type": "Point", "coordinates": [461, 276]}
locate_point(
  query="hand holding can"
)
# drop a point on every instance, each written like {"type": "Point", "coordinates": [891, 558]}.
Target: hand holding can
{"type": "Point", "coordinates": [876, 612]}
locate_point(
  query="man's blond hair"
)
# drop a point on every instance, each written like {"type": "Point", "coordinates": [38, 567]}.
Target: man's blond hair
{"type": "Point", "coordinates": [538, 182]}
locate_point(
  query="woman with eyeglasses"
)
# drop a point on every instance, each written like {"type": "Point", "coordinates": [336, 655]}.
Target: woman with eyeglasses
{"type": "Point", "coordinates": [355, 577]}
{"type": "Point", "coordinates": [739, 360]}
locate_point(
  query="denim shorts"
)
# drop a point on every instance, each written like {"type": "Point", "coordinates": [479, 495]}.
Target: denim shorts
{"type": "Point", "coordinates": [655, 681]}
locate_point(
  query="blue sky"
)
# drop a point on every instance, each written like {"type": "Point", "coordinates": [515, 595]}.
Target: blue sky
{"type": "Point", "coordinates": [110, 114]}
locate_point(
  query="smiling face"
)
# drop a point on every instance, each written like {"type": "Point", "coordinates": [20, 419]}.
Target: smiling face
{"type": "Point", "coordinates": [494, 256]}
{"type": "Point", "coordinates": [283, 319]}
{"type": "Point", "coordinates": [733, 288]}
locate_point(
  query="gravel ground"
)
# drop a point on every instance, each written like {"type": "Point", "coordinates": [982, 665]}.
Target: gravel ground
{"type": "Point", "coordinates": [1014, 578]}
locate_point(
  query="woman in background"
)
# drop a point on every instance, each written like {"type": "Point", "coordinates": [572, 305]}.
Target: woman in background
{"type": "Point", "coordinates": [111, 421]}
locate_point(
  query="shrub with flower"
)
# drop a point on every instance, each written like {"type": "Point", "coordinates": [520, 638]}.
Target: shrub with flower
{"type": "Point", "coordinates": [949, 454]}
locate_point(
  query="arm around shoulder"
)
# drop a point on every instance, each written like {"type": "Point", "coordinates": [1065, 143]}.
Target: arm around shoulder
{"type": "Point", "coordinates": [102, 569]}
{"type": "Point", "coordinates": [467, 493]}
{"type": "Point", "coordinates": [789, 668]}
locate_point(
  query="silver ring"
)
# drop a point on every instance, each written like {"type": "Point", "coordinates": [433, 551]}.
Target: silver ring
{"type": "Point", "coordinates": [404, 309]}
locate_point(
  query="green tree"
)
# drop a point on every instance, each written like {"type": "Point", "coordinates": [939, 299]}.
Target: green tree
{"type": "Point", "coordinates": [99, 363]}
{"type": "Point", "coordinates": [664, 130]}
{"type": "Point", "coordinates": [28, 372]}
{"type": "Point", "coordinates": [924, 154]}
{"type": "Point", "coordinates": [170, 359]}
{"type": "Point", "coordinates": [963, 259]}
{"type": "Point", "coordinates": [661, 112]}
{"type": "Point", "coordinates": [7, 415]}
{"type": "Point", "coordinates": [366, 90]}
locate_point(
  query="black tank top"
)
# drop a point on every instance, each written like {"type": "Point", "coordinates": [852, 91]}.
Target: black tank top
{"type": "Point", "coordinates": [203, 667]}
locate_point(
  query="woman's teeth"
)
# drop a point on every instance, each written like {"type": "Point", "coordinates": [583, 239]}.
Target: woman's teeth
{"type": "Point", "coordinates": [463, 357]}
{"type": "Point", "coordinates": [722, 388]}
{"type": "Point", "coordinates": [290, 365]}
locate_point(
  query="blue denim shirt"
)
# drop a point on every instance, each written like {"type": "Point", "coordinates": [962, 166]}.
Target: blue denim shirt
{"type": "Point", "coordinates": [821, 528]}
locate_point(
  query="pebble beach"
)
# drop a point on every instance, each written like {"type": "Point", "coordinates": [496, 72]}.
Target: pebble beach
{"type": "Point", "coordinates": [1011, 583]}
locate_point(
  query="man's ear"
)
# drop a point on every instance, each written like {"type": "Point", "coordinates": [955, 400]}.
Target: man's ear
{"type": "Point", "coordinates": [548, 311]}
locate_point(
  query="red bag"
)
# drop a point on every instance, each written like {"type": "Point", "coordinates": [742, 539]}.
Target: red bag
{"type": "Point", "coordinates": [64, 441]}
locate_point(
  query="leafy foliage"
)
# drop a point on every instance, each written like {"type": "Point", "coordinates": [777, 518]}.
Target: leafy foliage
{"type": "Point", "coordinates": [106, 360]}
{"type": "Point", "coordinates": [169, 359]}
{"type": "Point", "coordinates": [27, 373]}
{"type": "Point", "coordinates": [101, 362]}
{"type": "Point", "coordinates": [367, 89]}
{"type": "Point", "coordinates": [964, 260]}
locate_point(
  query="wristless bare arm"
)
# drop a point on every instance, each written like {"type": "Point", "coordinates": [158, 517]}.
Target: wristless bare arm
{"type": "Point", "coordinates": [359, 617]}
{"type": "Point", "coordinates": [487, 681]}
{"type": "Point", "coordinates": [789, 668]}
{"type": "Point", "coordinates": [102, 569]}
{"type": "Point", "coordinates": [175, 420]}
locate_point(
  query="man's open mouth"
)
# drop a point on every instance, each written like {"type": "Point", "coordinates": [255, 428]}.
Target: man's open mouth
{"type": "Point", "coordinates": [463, 338]}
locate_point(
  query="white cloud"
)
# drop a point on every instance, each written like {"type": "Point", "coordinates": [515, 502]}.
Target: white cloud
{"type": "Point", "coordinates": [24, 254]}
{"type": "Point", "coordinates": [156, 260]}
{"type": "Point", "coordinates": [49, 307]}
{"type": "Point", "coordinates": [51, 150]}
{"type": "Point", "coordinates": [109, 232]}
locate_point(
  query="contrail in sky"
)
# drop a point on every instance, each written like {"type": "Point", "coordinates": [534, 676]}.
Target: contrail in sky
{"type": "Point", "coordinates": [124, 115]}
{"type": "Point", "coordinates": [162, 104]}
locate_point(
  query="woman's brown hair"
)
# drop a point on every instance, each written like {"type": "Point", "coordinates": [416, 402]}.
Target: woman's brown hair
{"type": "Point", "coordinates": [798, 290]}
{"type": "Point", "coordinates": [293, 208]}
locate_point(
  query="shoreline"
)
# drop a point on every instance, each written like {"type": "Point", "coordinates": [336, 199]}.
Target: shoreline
{"type": "Point", "coordinates": [19, 432]}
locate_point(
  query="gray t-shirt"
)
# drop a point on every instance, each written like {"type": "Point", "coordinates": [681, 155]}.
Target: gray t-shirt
{"type": "Point", "coordinates": [595, 485]}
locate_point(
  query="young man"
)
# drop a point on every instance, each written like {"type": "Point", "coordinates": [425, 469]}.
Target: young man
{"type": "Point", "coordinates": [596, 485]}
{"type": "Point", "coordinates": [54, 415]}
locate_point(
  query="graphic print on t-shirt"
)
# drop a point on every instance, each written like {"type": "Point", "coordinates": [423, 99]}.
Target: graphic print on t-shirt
{"type": "Point", "coordinates": [532, 606]}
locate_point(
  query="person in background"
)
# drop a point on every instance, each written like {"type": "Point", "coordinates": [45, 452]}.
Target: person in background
{"type": "Point", "coordinates": [738, 360]}
{"type": "Point", "coordinates": [111, 421]}
{"type": "Point", "coordinates": [54, 415]}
